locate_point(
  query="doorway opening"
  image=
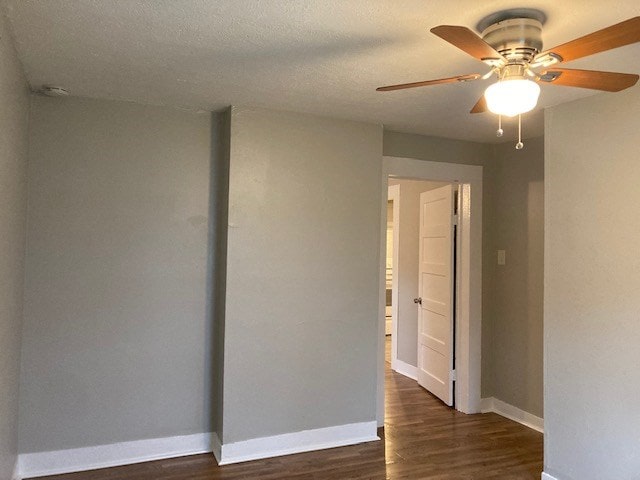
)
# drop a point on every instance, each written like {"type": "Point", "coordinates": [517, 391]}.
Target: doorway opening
{"type": "Point", "coordinates": [401, 270]}
{"type": "Point", "coordinates": [433, 241]}
{"type": "Point", "coordinates": [419, 324]}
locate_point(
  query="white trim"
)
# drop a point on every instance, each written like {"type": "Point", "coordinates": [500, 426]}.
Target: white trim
{"type": "Point", "coordinates": [405, 369]}
{"type": "Point", "coordinates": [216, 447]}
{"type": "Point", "coordinates": [469, 308]}
{"type": "Point", "coordinates": [304, 441]}
{"type": "Point", "coordinates": [516, 414]}
{"type": "Point", "coordinates": [546, 476]}
{"type": "Point", "coordinates": [103, 456]}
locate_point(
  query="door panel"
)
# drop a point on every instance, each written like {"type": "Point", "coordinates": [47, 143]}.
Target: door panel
{"type": "Point", "coordinates": [435, 325]}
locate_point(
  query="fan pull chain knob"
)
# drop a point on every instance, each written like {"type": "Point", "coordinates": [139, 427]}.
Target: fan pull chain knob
{"type": "Point", "coordinates": [499, 132]}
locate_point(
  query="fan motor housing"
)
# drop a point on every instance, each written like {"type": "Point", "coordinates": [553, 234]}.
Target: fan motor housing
{"type": "Point", "coordinates": [517, 39]}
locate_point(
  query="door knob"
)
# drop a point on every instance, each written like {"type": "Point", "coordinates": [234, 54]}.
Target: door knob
{"type": "Point", "coordinates": [417, 300]}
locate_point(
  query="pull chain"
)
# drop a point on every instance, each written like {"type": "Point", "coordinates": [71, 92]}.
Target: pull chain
{"type": "Point", "coordinates": [519, 145]}
{"type": "Point", "coordinates": [499, 132]}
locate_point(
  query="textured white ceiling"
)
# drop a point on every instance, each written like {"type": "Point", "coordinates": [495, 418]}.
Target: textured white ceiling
{"type": "Point", "coordinates": [322, 56]}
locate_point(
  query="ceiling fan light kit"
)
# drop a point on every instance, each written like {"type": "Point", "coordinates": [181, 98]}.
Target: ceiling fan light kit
{"type": "Point", "coordinates": [511, 46]}
{"type": "Point", "coordinates": [512, 96]}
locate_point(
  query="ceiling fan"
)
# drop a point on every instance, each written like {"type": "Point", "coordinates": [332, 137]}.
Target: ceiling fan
{"type": "Point", "coordinates": [511, 45]}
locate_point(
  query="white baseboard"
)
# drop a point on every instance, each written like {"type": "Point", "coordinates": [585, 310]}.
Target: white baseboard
{"type": "Point", "coordinates": [103, 456]}
{"type": "Point", "coordinates": [298, 442]}
{"type": "Point", "coordinates": [492, 404]}
{"type": "Point", "coordinates": [405, 369]}
{"type": "Point", "coordinates": [546, 476]}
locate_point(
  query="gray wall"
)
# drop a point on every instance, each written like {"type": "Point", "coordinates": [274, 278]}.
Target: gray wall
{"type": "Point", "coordinates": [408, 249]}
{"type": "Point", "coordinates": [514, 292]}
{"type": "Point", "coordinates": [116, 298]}
{"type": "Point", "coordinates": [592, 280]}
{"type": "Point", "coordinates": [436, 149]}
{"type": "Point", "coordinates": [115, 334]}
{"type": "Point", "coordinates": [14, 118]}
{"type": "Point", "coordinates": [301, 320]}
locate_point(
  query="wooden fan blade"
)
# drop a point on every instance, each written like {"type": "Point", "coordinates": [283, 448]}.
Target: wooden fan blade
{"type": "Point", "coordinates": [467, 41]}
{"type": "Point", "coordinates": [402, 86]}
{"type": "Point", "coordinates": [618, 35]}
{"type": "Point", "coordinates": [596, 80]}
{"type": "Point", "coordinates": [480, 106]}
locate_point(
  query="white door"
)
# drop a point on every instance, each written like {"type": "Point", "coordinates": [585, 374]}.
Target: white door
{"type": "Point", "coordinates": [435, 314]}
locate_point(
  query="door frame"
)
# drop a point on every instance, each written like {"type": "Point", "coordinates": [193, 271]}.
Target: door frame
{"type": "Point", "coordinates": [393, 192]}
{"type": "Point", "coordinates": [468, 342]}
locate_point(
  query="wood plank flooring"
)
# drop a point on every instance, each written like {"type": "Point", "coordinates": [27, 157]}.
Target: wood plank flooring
{"type": "Point", "coordinates": [422, 439]}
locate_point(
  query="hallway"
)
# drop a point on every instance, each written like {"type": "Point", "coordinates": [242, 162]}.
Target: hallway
{"type": "Point", "coordinates": [422, 439]}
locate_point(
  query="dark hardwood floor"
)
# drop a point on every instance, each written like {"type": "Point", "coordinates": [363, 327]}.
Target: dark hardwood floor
{"type": "Point", "coordinates": [422, 439]}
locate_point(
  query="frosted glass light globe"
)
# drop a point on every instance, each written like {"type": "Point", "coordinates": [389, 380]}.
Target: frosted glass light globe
{"type": "Point", "coordinates": [512, 96]}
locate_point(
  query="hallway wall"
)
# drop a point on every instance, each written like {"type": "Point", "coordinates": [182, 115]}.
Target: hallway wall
{"type": "Point", "coordinates": [514, 292]}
